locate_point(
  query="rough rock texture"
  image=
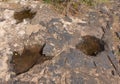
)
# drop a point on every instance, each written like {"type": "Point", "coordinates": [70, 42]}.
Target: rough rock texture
{"type": "Point", "coordinates": [59, 36]}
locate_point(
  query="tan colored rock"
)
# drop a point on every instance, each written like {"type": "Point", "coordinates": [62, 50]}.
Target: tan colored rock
{"type": "Point", "coordinates": [11, 6]}
{"type": "Point", "coordinates": [32, 29]}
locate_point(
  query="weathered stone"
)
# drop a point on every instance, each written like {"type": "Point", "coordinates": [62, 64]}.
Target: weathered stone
{"type": "Point", "coordinates": [66, 36]}
{"type": "Point", "coordinates": [21, 82]}
{"type": "Point", "coordinates": [1, 64]}
{"type": "Point", "coordinates": [46, 15]}
{"type": "Point", "coordinates": [82, 24]}
{"type": "Point", "coordinates": [114, 62]}
{"type": "Point", "coordinates": [93, 19]}
{"type": "Point", "coordinates": [77, 79]}
{"type": "Point", "coordinates": [48, 50]}
{"type": "Point", "coordinates": [104, 9]}
{"type": "Point", "coordinates": [32, 29]}
{"type": "Point", "coordinates": [74, 59]}
{"type": "Point", "coordinates": [42, 23]}
{"type": "Point", "coordinates": [69, 65]}
{"type": "Point", "coordinates": [68, 19]}
{"type": "Point", "coordinates": [53, 29]}
{"type": "Point", "coordinates": [54, 20]}
{"type": "Point", "coordinates": [42, 80]}
{"type": "Point", "coordinates": [102, 61]}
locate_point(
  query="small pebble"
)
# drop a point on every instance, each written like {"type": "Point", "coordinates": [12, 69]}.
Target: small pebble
{"type": "Point", "coordinates": [68, 19]}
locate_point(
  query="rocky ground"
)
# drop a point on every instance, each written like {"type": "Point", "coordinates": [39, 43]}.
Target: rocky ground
{"type": "Point", "coordinates": [38, 45]}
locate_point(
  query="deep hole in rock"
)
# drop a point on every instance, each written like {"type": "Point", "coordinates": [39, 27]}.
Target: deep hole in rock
{"type": "Point", "coordinates": [26, 13]}
{"type": "Point", "coordinates": [91, 45]}
{"type": "Point", "coordinates": [30, 56]}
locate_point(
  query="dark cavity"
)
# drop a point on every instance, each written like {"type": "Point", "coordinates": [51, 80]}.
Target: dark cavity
{"type": "Point", "coordinates": [26, 13]}
{"type": "Point", "coordinates": [91, 45]}
{"type": "Point", "coordinates": [31, 55]}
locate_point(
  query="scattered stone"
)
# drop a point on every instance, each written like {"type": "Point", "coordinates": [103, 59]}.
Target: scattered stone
{"type": "Point", "coordinates": [48, 50]}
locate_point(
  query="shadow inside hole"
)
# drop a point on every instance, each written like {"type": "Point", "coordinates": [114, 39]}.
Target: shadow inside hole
{"type": "Point", "coordinates": [91, 45]}
{"type": "Point", "coordinates": [30, 56]}
{"type": "Point", "coordinates": [26, 13]}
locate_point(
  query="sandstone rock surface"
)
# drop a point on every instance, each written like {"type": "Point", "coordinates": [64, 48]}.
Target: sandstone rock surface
{"type": "Point", "coordinates": [62, 62]}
